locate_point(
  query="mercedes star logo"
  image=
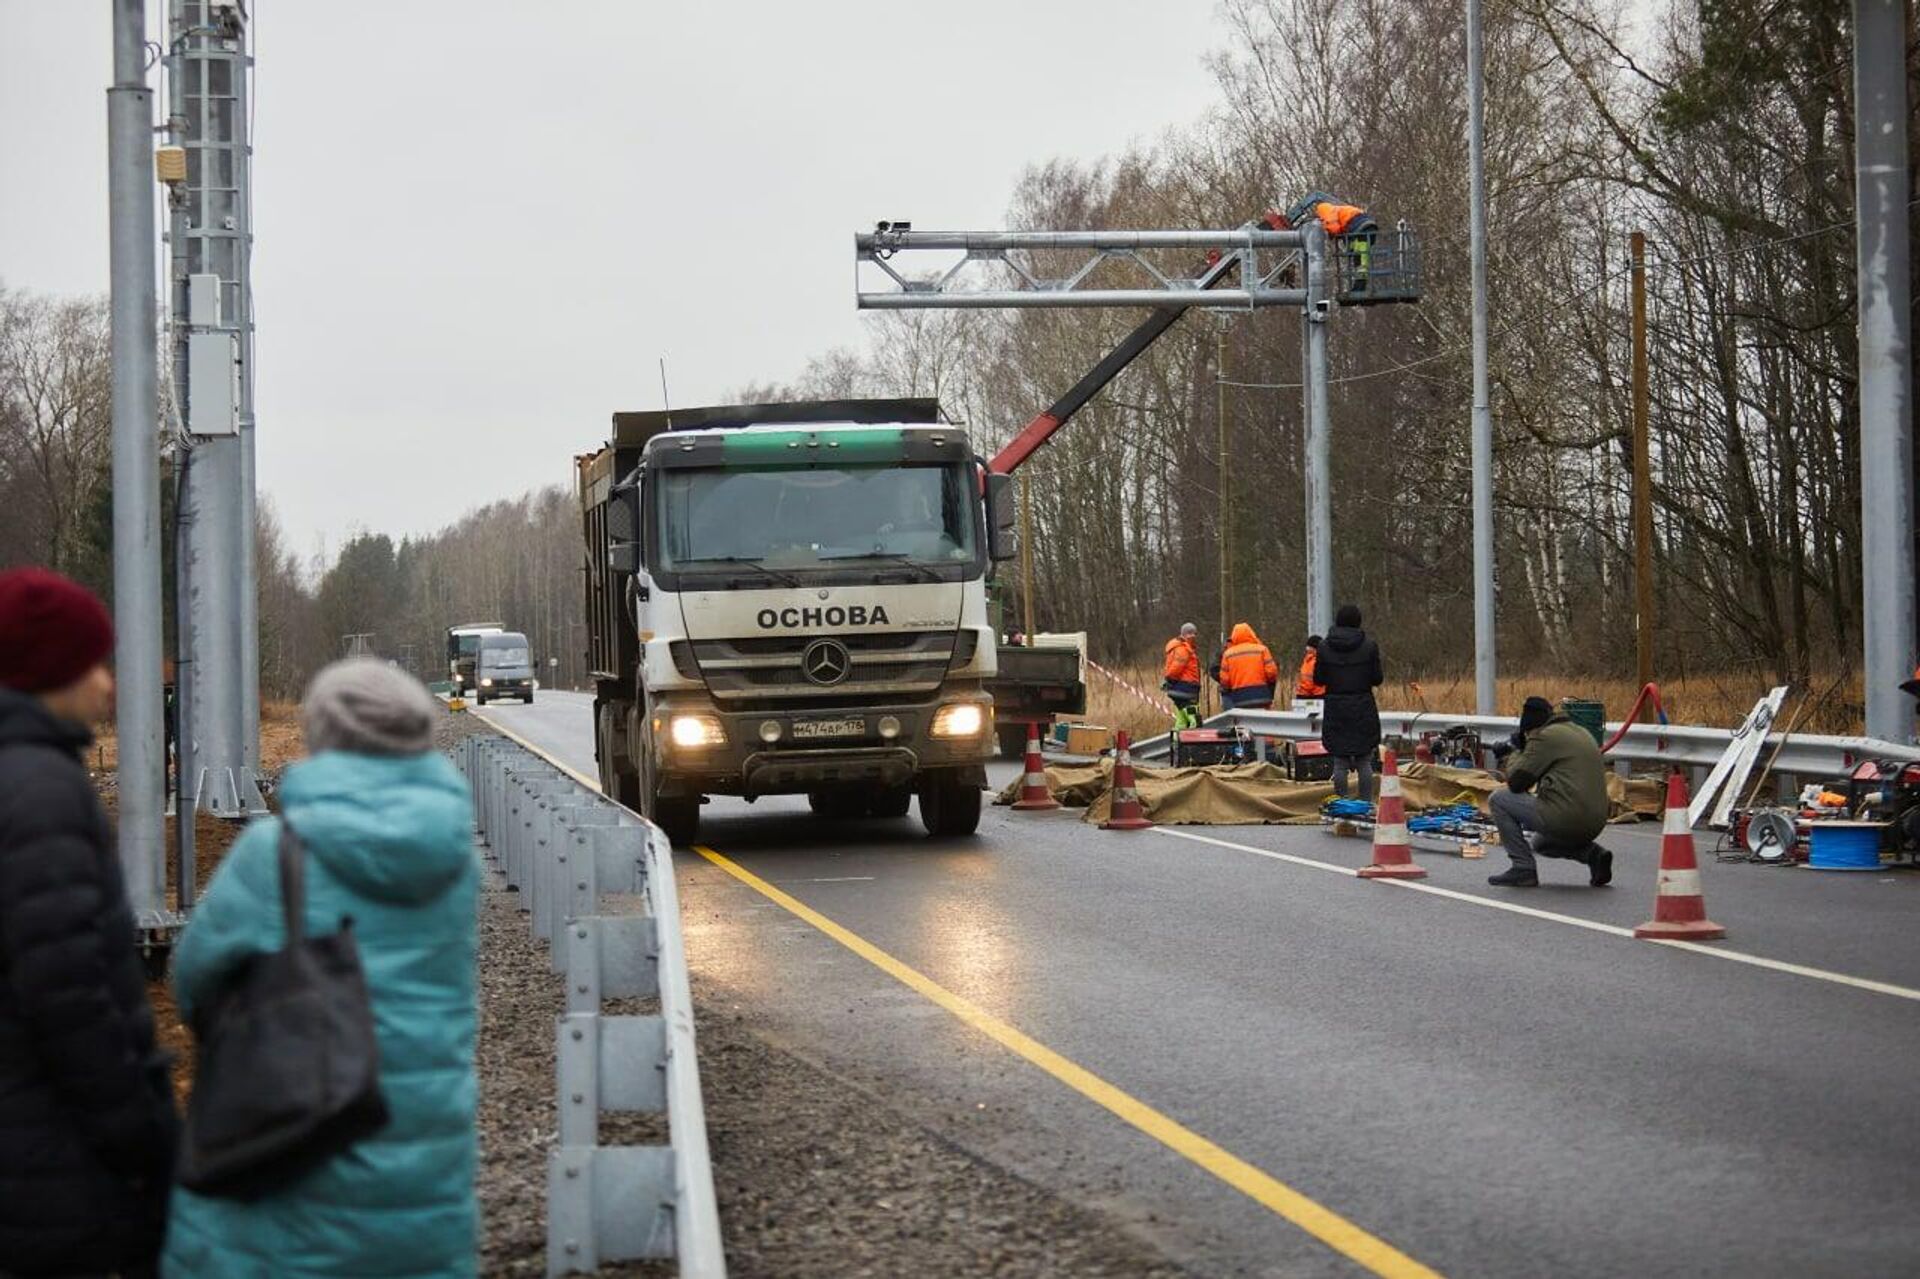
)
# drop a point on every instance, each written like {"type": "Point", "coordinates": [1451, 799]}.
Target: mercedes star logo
{"type": "Point", "coordinates": [826, 662]}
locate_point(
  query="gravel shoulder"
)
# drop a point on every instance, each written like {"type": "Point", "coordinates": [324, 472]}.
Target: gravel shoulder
{"type": "Point", "coordinates": [816, 1175]}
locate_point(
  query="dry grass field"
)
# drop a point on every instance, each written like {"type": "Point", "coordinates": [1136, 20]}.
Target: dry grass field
{"type": "Point", "coordinates": [1717, 699]}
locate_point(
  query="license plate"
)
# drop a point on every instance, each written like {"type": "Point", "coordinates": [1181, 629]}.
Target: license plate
{"type": "Point", "coordinates": [829, 727]}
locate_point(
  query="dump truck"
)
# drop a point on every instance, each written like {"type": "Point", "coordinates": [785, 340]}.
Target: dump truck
{"type": "Point", "coordinates": [791, 599]}
{"type": "Point", "coordinates": [463, 649]}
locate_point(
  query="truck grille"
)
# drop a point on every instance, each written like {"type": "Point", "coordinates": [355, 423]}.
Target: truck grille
{"type": "Point", "coordinates": [769, 668]}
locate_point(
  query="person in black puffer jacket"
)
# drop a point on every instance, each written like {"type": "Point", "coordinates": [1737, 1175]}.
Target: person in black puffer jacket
{"type": "Point", "coordinates": [1347, 663]}
{"type": "Point", "coordinates": [87, 1121]}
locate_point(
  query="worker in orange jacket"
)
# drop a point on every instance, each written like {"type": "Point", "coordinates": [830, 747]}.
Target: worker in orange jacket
{"type": "Point", "coordinates": [1180, 676]}
{"type": "Point", "coordinates": [1307, 686]}
{"type": "Point", "coordinates": [1350, 226]}
{"type": "Point", "coordinates": [1246, 671]}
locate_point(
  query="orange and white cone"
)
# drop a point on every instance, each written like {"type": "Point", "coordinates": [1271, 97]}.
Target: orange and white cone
{"type": "Point", "coordinates": [1034, 795]}
{"type": "Point", "coordinates": [1679, 911]}
{"type": "Point", "coordinates": [1392, 849]}
{"type": "Point", "coordinates": [1127, 812]}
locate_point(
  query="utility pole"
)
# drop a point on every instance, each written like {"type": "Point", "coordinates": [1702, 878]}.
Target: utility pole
{"type": "Point", "coordinates": [1642, 473]}
{"type": "Point", "coordinates": [1319, 436]}
{"type": "Point", "coordinates": [1225, 496]}
{"type": "Point", "coordinates": [1485, 664]}
{"type": "Point", "coordinates": [136, 472]}
{"type": "Point", "coordinates": [208, 235]}
{"type": "Point", "coordinates": [1026, 556]}
{"type": "Point", "coordinates": [1886, 361]}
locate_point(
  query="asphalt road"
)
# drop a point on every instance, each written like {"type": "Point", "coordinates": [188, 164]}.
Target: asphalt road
{"type": "Point", "coordinates": [1489, 1092]}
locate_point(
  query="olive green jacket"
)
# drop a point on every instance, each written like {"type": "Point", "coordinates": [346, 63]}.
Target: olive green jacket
{"type": "Point", "coordinates": [1561, 765]}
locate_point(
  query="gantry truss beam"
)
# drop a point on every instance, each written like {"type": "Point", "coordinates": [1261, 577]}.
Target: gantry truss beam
{"type": "Point", "coordinates": [1262, 257]}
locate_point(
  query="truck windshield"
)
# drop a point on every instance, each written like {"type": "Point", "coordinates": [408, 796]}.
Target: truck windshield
{"type": "Point", "coordinates": [786, 519]}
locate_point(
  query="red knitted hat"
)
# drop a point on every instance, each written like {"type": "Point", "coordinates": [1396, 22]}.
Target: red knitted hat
{"type": "Point", "coordinates": [52, 630]}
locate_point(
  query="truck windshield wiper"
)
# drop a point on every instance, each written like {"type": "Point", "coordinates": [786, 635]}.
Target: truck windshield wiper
{"type": "Point", "coordinates": [785, 579]}
{"type": "Point", "coordinates": [926, 572]}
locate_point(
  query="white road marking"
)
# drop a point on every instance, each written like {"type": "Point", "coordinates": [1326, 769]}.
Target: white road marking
{"type": "Point", "coordinates": [1514, 908]}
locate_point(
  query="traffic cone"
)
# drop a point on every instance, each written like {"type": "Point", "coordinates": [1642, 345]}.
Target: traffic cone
{"type": "Point", "coordinates": [1392, 850]}
{"type": "Point", "coordinates": [1679, 911]}
{"type": "Point", "coordinates": [1034, 795]}
{"type": "Point", "coordinates": [1127, 812]}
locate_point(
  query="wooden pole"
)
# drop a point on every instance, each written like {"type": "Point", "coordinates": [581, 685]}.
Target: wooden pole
{"type": "Point", "coordinates": [1642, 473]}
{"type": "Point", "coordinates": [1026, 556]}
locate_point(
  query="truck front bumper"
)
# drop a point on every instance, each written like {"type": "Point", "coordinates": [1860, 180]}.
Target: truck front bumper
{"type": "Point", "coordinates": [767, 752]}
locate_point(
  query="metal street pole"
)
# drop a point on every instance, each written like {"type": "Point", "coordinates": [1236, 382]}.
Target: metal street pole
{"type": "Point", "coordinates": [136, 471]}
{"type": "Point", "coordinates": [1642, 474]}
{"type": "Point", "coordinates": [1319, 437]}
{"type": "Point", "coordinates": [1224, 496]}
{"type": "Point", "coordinates": [1485, 664]}
{"type": "Point", "coordinates": [1886, 361]}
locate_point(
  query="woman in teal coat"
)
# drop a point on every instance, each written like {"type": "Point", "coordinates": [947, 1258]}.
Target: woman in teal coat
{"type": "Point", "coordinates": [386, 823]}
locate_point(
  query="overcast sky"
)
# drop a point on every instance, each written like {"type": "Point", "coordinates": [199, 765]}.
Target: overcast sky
{"type": "Point", "coordinates": [478, 224]}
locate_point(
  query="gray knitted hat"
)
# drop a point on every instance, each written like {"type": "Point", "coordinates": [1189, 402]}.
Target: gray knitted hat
{"type": "Point", "coordinates": [365, 706]}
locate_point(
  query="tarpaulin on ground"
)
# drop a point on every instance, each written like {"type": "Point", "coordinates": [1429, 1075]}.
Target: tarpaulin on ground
{"type": "Point", "coordinates": [1262, 794]}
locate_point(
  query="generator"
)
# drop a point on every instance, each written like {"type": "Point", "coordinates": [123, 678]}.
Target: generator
{"type": "Point", "coordinates": [1882, 790]}
{"type": "Point", "coordinates": [1202, 747]}
{"type": "Point", "coordinates": [1307, 761]}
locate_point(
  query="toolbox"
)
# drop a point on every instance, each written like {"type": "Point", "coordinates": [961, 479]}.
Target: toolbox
{"type": "Point", "coordinates": [1307, 761]}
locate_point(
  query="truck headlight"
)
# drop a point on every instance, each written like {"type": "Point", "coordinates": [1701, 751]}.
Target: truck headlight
{"type": "Point", "coordinates": [960, 719]}
{"type": "Point", "coordinates": [692, 731]}
{"type": "Point", "coordinates": [487, 683]}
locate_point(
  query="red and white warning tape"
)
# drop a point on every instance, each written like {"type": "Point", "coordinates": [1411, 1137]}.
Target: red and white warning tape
{"type": "Point", "coordinates": [1158, 703]}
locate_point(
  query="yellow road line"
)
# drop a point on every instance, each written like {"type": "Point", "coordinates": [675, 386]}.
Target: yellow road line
{"type": "Point", "coordinates": [1324, 1224]}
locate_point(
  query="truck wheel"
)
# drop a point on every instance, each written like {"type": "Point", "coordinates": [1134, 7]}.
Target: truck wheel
{"type": "Point", "coordinates": [678, 816]}
{"type": "Point", "coordinates": [838, 803]}
{"type": "Point", "coordinates": [891, 802]}
{"type": "Point", "coordinates": [529, 699]}
{"type": "Point", "coordinates": [1013, 740]}
{"type": "Point", "coordinates": [949, 806]}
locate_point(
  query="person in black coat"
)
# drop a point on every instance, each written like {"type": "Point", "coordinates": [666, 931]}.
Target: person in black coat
{"type": "Point", "coordinates": [1347, 663]}
{"type": "Point", "coordinates": [87, 1121]}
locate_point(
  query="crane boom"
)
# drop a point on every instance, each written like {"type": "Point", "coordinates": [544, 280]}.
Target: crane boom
{"type": "Point", "coordinates": [1145, 334]}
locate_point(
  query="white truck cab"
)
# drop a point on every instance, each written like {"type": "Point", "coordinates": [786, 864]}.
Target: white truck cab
{"type": "Point", "coordinates": [804, 588]}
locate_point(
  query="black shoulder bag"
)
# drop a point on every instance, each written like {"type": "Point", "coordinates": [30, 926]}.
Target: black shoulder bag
{"type": "Point", "coordinates": [289, 1069]}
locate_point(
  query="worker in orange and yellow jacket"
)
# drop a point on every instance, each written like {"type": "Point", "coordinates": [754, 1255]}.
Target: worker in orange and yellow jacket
{"type": "Point", "coordinates": [1180, 676]}
{"type": "Point", "coordinates": [1246, 671]}
{"type": "Point", "coordinates": [1307, 686]}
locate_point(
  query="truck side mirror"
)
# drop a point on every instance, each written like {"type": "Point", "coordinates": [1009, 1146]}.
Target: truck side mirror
{"type": "Point", "coordinates": [622, 525]}
{"type": "Point", "coordinates": [1001, 514]}
{"type": "Point", "coordinates": [623, 557]}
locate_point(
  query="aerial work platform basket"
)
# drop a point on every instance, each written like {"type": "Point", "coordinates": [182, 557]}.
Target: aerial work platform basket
{"type": "Point", "coordinates": [1376, 267]}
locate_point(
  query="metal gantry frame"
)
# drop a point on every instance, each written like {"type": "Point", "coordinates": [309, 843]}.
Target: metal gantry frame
{"type": "Point", "coordinates": [210, 248]}
{"type": "Point", "coordinates": [1265, 259]}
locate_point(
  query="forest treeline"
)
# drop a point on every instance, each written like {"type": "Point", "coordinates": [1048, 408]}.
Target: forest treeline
{"type": "Point", "coordinates": [1723, 130]}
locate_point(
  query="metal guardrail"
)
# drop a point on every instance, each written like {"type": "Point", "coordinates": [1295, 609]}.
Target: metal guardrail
{"type": "Point", "coordinates": [1644, 745]}
{"type": "Point", "coordinates": [566, 848]}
